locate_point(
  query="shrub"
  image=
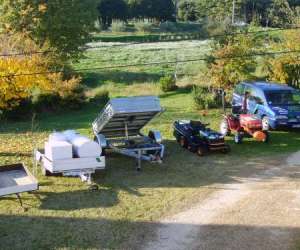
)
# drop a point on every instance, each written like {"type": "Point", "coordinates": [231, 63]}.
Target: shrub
{"type": "Point", "coordinates": [101, 96]}
{"type": "Point", "coordinates": [204, 98]}
{"type": "Point", "coordinates": [168, 27]}
{"type": "Point", "coordinates": [167, 83]}
{"type": "Point", "coordinates": [143, 26]}
{"type": "Point", "coordinates": [119, 27]}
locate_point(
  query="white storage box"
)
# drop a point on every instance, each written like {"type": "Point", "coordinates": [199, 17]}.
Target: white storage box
{"type": "Point", "coordinates": [58, 150]}
{"type": "Point", "coordinates": [83, 147]}
{"type": "Point", "coordinates": [58, 166]}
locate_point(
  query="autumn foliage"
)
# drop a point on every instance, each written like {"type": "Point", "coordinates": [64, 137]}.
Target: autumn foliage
{"type": "Point", "coordinates": [19, 74]}
{"type": "Point", "coordinates": [285, 68]}
{"type": "Point", "coordinates": [230, 64]}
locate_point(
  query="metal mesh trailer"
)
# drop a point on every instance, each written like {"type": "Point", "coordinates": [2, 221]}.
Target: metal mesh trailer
{"type": "Point", "coordinates": [118, 128]}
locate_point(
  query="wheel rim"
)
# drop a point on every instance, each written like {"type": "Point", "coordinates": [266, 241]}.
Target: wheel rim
{"type": "Point", "coordinates": [199, 151]}
{"type": "Point", "coordinates": [224, 128]}
{"type": "Point", "coordinates": [265, 123]}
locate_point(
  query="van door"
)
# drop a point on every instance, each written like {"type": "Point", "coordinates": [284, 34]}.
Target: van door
{"type": "Point", "coordinates": [254, 101]}
{"type": "Point", "coordinates": [238, 97]}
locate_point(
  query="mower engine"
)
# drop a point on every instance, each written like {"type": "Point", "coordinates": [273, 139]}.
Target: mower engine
{"type": "Point", "coordinates": [250, 122]}
{"type": "Point", "coordinates": [253, 126]}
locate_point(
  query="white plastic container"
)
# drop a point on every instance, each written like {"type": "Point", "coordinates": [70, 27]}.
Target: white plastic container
{"type": "Point", "coordinates": [58, 150]}
{"type": "Point", "coordinates": [83, 147]}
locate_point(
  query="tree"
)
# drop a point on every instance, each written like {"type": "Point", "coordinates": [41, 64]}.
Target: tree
{"type": "Point", "coordinates": [14, 89]}
{"type": "Point", "coordinates": [60, 25]}
{"type": "Point", "coordinates": [187, 10]}
{"type": "Point", "coordinates": [286, 68]}
{"type": "Point", "coordinates": [280, 14]}
{"type": "Point", "coordinates": [229, 64]}
{"type": "Point", "coordinates": [112, 9]}
{"type": "Point", "coordinates": [162, 10]}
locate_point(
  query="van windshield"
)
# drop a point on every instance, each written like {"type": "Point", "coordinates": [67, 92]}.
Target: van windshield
{"type": "Point", "coordinates": [283, 97]}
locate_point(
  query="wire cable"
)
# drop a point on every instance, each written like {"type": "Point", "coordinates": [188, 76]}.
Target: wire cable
{"type": "Point", "coordinates": [154, 63]}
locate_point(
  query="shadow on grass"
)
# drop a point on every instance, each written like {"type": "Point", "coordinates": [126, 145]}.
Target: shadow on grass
{"type": "Point", "coordinates": [76, 200]}
{"type": "Point", "coordinates": [93, 79]}
{"type": "Point", "coordinates": [29, 232]}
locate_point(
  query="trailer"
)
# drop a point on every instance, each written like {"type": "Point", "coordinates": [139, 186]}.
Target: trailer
{"type": "Point", "coordinates": [118, 128]}
{"type": "Point", "coordinates": [16, 179]}
{"type": "Point", "coordinates": [67, 154]}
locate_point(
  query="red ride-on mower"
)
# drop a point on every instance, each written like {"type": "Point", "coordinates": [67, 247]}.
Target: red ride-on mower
{"type": "Point", "coordinates": [243, 124]}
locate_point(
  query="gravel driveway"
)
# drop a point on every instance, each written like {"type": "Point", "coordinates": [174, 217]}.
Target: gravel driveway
{"type": "Point", "coordinates": [258, 212]}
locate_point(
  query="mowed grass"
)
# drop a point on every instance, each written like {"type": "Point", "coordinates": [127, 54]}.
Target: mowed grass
{"type": "Point", "coordinates": [121, 214]}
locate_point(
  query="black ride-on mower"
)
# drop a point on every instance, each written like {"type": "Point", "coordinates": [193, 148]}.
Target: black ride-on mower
{"type": "Point", "coordinates": [198, 138]}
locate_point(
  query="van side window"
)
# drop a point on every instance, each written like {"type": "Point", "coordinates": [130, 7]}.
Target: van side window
{"type": "Point", "coordinates": [255, 96]}
{"type": "Point", "coordinates": [239, 90]}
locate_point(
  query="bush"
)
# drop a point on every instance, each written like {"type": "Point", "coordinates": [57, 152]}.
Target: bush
{"type": "Point", "coordinates": [168, 27]}
{"type": "Point", "coordinates": [205, 99]}
{"type": "Point", "coordinates": [167, 83]}
{"type": "Point", "coordinates": [100, 97]}
{"type": "Point", "coordinates": [143, 26]}
{"type": "Point", "coordinates": [119, 27]}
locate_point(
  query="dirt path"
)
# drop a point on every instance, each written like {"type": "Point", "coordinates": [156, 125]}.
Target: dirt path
{"type": "Point", "coordinates": [259, 212]}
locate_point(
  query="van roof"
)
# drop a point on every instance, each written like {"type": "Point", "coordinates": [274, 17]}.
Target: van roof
{"type": "Point", "coordinates": [268, 85]}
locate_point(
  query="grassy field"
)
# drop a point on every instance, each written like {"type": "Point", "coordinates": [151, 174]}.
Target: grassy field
{"type": "Point", "coordinates": [120, 215]}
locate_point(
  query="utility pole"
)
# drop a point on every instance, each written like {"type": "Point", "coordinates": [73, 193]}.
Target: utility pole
{"type": "Point", "coordinates": [233, 12]}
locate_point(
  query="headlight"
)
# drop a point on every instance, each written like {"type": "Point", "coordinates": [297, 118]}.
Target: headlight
{"type": "Point", "coordinates": [212, 137]}
{"type": "Point", "coordinates": [281, 117]}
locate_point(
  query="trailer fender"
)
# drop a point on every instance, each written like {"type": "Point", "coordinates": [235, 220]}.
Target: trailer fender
{"type": "Point", "coordinates": [155, 135]}
{"type": "Point", "coordinates": [101, 140]}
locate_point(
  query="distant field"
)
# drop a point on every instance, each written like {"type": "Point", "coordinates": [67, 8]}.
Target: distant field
{"type": "Point", "coordinates": [114, 54]}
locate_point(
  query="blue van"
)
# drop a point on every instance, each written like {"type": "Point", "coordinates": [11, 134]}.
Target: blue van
{"type": "Point", "coordinates": [276, 104]}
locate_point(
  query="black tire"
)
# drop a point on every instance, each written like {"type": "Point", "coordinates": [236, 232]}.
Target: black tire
{"type": "Point", "coordinates": [183, 142]}
{"type": "Point", "coordinates": [238, 138]}
{"type": "Point", "coordinates": [267, 137]}
{"type": "Point", "coordinates": [93, 187]}
{"type": "Point", "coordinates": [201, 151]}
{"type": "Point", "coordinates": [224, 128]}
{"type": "Point", "coordinates": [226, 150]}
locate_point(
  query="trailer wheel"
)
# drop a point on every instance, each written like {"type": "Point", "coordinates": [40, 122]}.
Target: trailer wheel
{"type": "Point", "coordinates": [183, 142]}
{"type": "Point", "coordinates": [201, 151]}
{"type": "Point", "coordinates": [45, 172]}
{"type": "Point", "coordinates": [238, 138]}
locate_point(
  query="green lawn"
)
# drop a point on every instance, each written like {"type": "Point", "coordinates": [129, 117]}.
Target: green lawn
{"type": "Point", "coordinates": [122, 213]}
